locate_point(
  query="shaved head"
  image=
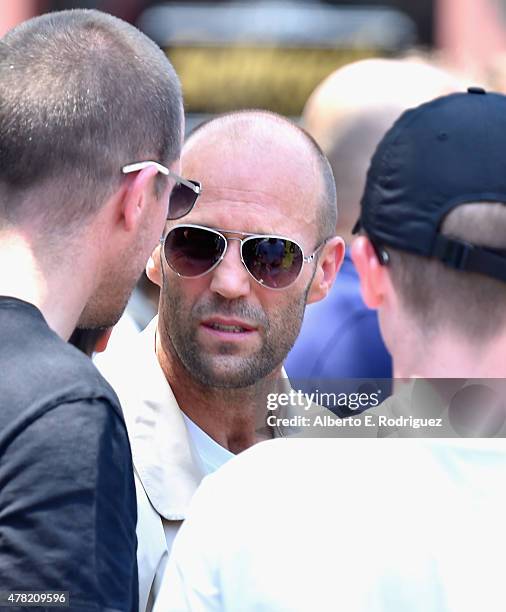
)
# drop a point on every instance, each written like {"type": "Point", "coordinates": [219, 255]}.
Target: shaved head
{"type": "Point", "coordinates": [350, 111]}
{"type": "Point", "coordinates": [270, 136]}
{"type": "Point", "coordinates": [262, 175]}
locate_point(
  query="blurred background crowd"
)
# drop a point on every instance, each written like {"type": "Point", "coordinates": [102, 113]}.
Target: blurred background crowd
{"type": "Point", "coordinates": [272, 53]}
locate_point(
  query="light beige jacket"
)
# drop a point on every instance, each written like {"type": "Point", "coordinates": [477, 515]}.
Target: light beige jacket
{"type": "Point", "coordinates": [167, 473]}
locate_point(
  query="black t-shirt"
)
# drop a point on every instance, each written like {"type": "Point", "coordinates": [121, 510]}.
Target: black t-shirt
{"type": "Point", "coordinates": [67, 495]}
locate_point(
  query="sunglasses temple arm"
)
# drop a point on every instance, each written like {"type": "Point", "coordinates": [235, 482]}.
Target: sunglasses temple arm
{"type": "Point", "coordinates": [163, 170]}
{"type": "Point", "coordinates": [311, 257]}
{"type": "Point", "coordinates": [195, 188]}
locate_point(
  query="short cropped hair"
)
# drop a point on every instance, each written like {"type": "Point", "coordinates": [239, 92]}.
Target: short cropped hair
{"type": "Point", "coordinates": [436, 295]}
{"type": "Point", "coordinates": [82, 93]}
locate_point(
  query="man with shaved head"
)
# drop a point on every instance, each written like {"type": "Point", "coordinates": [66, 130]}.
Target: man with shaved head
{"type": "Point", "coordinates": [235, 277]}
{"type": "Point", "coordinates": [347, 115]}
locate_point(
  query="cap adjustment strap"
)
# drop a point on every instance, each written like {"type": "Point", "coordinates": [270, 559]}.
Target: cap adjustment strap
{"type": "Point", "coordinates": [465, 256]}
{"type": "Point", "coordinates": [451, 252]}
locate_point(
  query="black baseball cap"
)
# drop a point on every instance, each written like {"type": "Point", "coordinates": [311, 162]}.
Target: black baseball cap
{"type": "Point", "coordinates": [444, 153]}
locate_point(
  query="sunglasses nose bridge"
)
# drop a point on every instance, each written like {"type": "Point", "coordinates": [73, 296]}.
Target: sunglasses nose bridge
{"type": "Point", "coordinates": [229, 239]}
{"type": "Point", "coordinates": [230, 278]}
{"type": "Point", "coordinates": [241, 245]}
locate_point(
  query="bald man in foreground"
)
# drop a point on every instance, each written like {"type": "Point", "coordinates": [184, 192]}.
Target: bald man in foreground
{"type": "Point", "coordinates": [235, 278]}
{"type": "Point", "coordinates": [347, 115]}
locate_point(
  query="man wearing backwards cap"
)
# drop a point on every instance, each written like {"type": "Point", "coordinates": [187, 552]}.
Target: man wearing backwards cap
{"type": "Point", "coordinates": [433, 260]}
{"type": "Point", "coordinates": [433, 211]}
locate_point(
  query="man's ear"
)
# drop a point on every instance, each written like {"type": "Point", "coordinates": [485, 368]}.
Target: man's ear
{"type": "Point", "coordinates": [153, 267]}
{"type": "Point", "coordinates": [374, 276]}
{"type": "Point", "coordinates": [139, 191]}
{"type": "Point", "coordinates": [327, 267]}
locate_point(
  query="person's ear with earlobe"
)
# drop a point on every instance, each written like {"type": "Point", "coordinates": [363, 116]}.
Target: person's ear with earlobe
{"type": "Point", "coordinates": [327, 267]}
{"type": "Point", "coordinates": [373, 273]}
{"type": "Point", "coordinates": [136, 197]}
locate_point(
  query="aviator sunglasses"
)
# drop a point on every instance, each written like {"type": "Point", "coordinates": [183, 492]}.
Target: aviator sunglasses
{"type": "Point", "coordinates": [184, 194]}
{"type": "Point", "coordinates": [273, 261]}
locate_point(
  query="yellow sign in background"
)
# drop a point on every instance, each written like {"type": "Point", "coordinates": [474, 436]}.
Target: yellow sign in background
{"type": "Point", "coordinates": [219, 79]}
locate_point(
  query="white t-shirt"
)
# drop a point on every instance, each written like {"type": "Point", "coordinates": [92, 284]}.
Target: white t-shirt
{"type": "Point", "coordinates": [357, 525]}
{"type": "Point", "coordinates": [211, 454]}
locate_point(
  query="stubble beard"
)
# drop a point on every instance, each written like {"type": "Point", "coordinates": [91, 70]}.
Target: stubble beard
{"type": "Point", "coordinates": [225, 370]}
{"type": "Point", "coordinates": [106, 307]}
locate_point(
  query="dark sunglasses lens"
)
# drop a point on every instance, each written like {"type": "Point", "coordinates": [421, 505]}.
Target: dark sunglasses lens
{"type": "Point", "coordinates": [273, 262]}
{"type": "Point", "coordinates": [182, 200]}
{"type": "Point", "coordinates": [191, 251]}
